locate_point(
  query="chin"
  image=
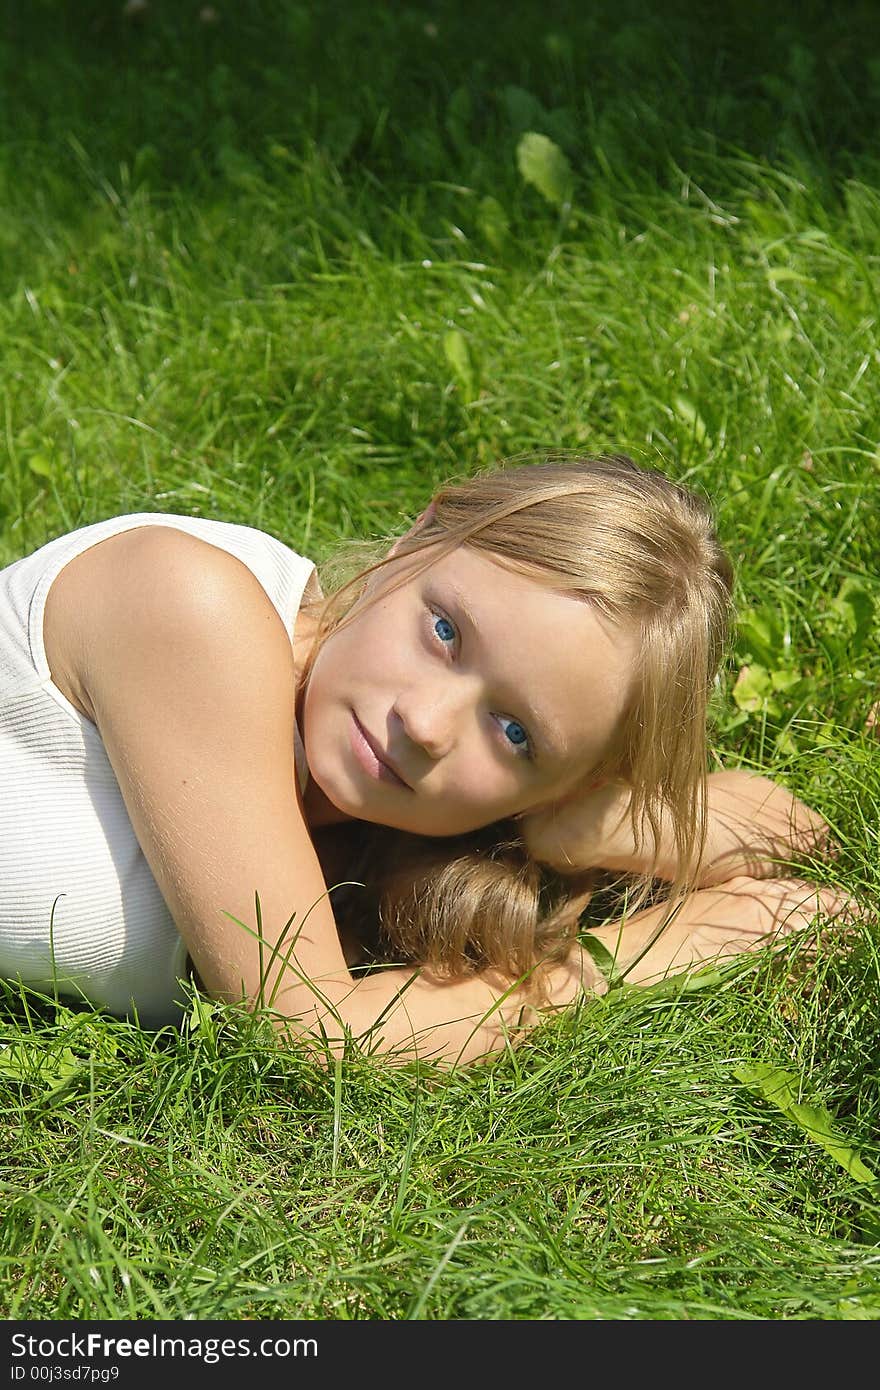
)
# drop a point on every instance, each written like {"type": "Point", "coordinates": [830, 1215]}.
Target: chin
{"type": "Point", "coordinates": [335, 803]}
{"type": "Point", "coordinates": [443, 829]}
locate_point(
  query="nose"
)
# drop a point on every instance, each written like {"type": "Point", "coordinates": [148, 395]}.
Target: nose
{"type": "Point", "coordinates": [431, 718]}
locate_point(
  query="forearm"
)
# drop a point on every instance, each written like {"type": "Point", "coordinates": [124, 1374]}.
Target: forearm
{"type": "Point", "coordinates": [714, 924]}
{"type": "Point", "coordinates": [753, 826]}
{"type": "Point", "coordinates": [404, 1013]}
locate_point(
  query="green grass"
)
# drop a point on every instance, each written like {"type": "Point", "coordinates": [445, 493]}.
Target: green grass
{"type": "Point", "coordinates": [285, 270]}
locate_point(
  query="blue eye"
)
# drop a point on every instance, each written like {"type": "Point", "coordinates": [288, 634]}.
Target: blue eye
{"type": "Point", "coordinates": [514, 732]}
{"type": "Point", "coordinates": [444, 630]}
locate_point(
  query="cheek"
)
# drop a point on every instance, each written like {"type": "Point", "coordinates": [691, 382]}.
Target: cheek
{"type": "Point", "coordinates": [339, 660]}
{"type": "Point", "coordinates": [346, 672]}
{"type": "Point", "coordinates": [321, 703]}
{"type": "Point", "coordinates": [481, 780]}
{"type": "Point", "coordinates": [369, 647]}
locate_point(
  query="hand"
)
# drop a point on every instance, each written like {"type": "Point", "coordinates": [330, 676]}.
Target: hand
{"type": "Point", "coordinates": [590, 828]}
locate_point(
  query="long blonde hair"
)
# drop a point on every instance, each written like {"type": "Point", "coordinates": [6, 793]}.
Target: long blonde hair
{"type": "Point", "coordinates": [643, 550]}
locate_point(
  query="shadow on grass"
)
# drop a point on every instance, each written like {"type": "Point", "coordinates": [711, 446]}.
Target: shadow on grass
{"type": "Point", "coordinates": [186, 94]}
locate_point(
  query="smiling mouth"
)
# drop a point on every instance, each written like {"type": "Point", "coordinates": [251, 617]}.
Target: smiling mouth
{"type": "Point", "coordinates": [372, 758]}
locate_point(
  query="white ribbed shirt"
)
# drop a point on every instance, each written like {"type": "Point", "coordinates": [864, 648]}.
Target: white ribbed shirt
{"type": "Point", "coordinates": [80, 911]}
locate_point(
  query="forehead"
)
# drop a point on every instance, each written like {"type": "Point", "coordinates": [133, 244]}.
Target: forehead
{"type": "Point", "coordinates": [552, 654]}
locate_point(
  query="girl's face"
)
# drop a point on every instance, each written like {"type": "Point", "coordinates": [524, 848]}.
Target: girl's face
{"type": "Point", "coordinates": [468, 694]}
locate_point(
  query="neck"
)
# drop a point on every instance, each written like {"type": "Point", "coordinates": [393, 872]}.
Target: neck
{"type": "Point", "coordinates": [319, 809]}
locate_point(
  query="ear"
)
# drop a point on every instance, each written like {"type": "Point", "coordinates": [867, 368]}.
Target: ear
{"type": "Point", "coordinates": [423, 519]}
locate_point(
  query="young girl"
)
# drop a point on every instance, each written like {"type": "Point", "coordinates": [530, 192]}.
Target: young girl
{"type": "Point", "coordinates": [196, 747]}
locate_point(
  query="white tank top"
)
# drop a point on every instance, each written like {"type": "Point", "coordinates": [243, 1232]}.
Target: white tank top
{"type": "Point", "coordinates": [80, 911]}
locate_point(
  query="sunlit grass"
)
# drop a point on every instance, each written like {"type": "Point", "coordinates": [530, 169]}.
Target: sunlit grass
{"type": "Point", "coordinates": [232, 300]}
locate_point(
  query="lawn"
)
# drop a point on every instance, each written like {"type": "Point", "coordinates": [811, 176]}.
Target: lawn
{"type": "Point", "coordinates": [291, 266]}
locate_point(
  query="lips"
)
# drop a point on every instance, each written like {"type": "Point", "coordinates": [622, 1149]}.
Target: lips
{"type": "Point", "coordinates": [372, 757]}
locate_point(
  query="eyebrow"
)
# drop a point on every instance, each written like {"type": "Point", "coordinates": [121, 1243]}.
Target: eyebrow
{"type": "Point", "coordinates": [537, 724]}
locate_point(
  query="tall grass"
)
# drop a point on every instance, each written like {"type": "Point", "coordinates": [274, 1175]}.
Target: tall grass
{"type": "Point", "coordinates": [284, 268]}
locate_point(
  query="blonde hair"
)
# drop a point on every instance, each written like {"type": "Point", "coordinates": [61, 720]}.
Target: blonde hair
{"type": "Point", "coordinates": [643, 550]}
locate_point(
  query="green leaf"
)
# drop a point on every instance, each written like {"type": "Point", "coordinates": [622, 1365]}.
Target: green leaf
{"type": "Point", "coordinates": [458, 356]}
{"type": "Point", "coordinates": [41, 465]}
{"type": "Point", "coordinates": [601, 958]}
{"type": "Point", "coordinates": [493, 222]}
{"type": "Point", "coordinates": [38, 1067]}
{"type": "Point", "coordinates": [202, 1017]}
{"type": "Point", "coordinates": [687, 411]}
{"type": "Point", "coordinates": [752, 691]}
{"type": "Point", "coordinates": [755, 687]}
{"type": "Point", "coordinates": [523, 109]}
{"type": "Point", "coordinates": [545, 167]}
{"type": "Point", "coordinates": [786, 678]}
{"type": "Point", "coordinates": [676, 987]}
{"type": "Point", "coordinates": [818, 1125]}
{"type": "Point", "coordinates": [781, 1089]}
{"type": "Point", "coordinates": [761, 633]}
{"type": "Point", "coordinates": [854, 610]}
{"type": "Point", "coordinates": [15, 1062]}
{"type": "Point", "coordinates": [778, 1086]}
{"type": "Point", "coordinates": [858, 1309]}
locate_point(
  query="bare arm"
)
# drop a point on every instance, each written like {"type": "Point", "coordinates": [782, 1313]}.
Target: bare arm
{"type": "Point", "coordinates": [405, 1012]}
{"type": "Point", "coordinates": [712, 925]}
{"type": "Point", "coordinates": [188, 672]}
{"type": "Point", "coordinates": [754, 826]}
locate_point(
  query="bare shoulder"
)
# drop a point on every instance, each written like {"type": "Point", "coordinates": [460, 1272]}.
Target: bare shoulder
{"type": "Point", "coordinates": [134, 587]}
{"type": "Point", "coordinates": [188, 672]}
